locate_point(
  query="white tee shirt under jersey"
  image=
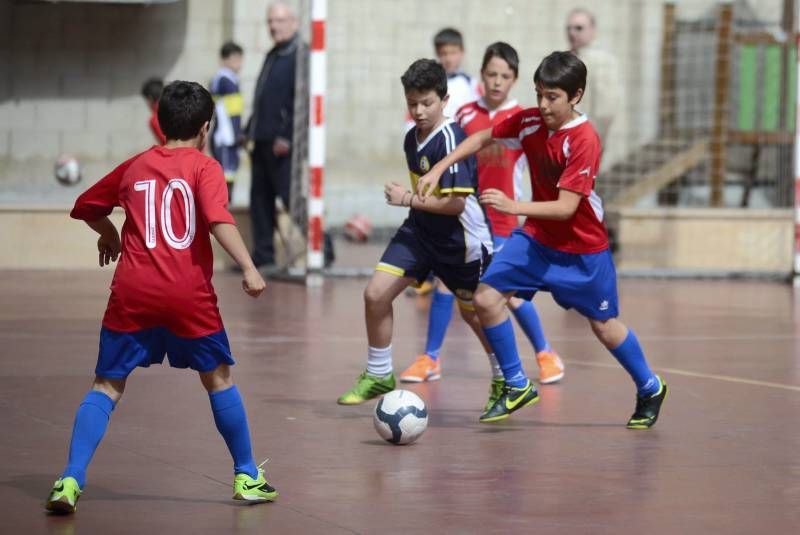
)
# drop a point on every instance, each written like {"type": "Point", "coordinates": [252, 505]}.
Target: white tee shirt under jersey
{"type": "Point", "coordinates": [462, 89]}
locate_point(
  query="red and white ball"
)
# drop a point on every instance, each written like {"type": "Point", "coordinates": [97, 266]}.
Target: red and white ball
{"type": "Point", "coordinates": [67, 170]}
{"type": "Point", "coordinates": [358, 228]}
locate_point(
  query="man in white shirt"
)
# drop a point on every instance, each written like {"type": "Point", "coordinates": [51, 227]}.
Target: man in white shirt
{"type": "Point", "coordinates": [602, 83]}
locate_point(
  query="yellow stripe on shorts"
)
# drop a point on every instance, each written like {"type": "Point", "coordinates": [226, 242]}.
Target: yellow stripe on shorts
{"type": "Point", "coordinates": [388, 268]}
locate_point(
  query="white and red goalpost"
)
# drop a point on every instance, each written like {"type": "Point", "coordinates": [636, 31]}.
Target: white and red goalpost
{"type": "Point", "coordinates": [316, 137]}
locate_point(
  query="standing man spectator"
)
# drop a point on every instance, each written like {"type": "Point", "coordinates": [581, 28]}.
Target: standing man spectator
{"type": "Point", "coordinates": [270, 128]}
{"type": "Point", "coordinates": [602, 83]}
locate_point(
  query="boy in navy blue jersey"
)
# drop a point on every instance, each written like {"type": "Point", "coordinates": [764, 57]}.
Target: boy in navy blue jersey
{"type": "Point", "coordinates": [228, 112]}
{"type": "Point", "coordinates": [563, 247]}
{"type": "Point", "coordinates": [446, 234]}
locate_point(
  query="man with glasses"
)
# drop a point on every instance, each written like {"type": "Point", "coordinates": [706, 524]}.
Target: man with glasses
{"type": "Point", "coordinates": [602, 84]}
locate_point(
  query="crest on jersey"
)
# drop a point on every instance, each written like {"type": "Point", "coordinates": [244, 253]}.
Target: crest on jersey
{"type": "Point", "coordinates": [424, 164]}
{"type": "Point", "coordinates": [565, 147]}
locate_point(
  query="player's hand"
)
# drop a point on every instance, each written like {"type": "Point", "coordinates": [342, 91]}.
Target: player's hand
{"type": "Point", "coordinates": [499, 201]}
{"type": "Point", "coordinates": [396, 195]}
{"type": "Point", "coordinates": [428, 183]}
{"type": "Point", "coordinates": [281, 147]}
{"type": "Point", "coordinates": [252, 282]}
{"type": "Point", "coordinates": [109, 247]}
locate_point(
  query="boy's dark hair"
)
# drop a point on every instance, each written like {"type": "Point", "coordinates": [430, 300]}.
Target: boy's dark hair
{"type": "Point", "coordinates": [425, 75]}
{"type": "Point", "coordinates": [448, 36]}
{"type": "Point", "coordinates": [503, 51]}
{"type": "Point", "coordinates": [561, 70]}
{"type": "Point", "coordinates": [230, 48]}
{"type": "Point", "coordinates": [183, 109]}
{"type": "Point", "coordinates": [151, 89]}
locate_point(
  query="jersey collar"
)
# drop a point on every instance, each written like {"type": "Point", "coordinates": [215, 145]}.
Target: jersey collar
{"type": "Point", "coordinates": [481, 102]}
{"type": "Point", "coordinates": [435, 131]}
{"type": "Point", "coordinates": [575, 122]}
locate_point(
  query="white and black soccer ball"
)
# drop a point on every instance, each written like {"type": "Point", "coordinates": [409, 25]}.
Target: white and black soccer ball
{"type": "Point", "coordinates": [67, 170]}
{"type": "Point", "coordinates": [400, 417]}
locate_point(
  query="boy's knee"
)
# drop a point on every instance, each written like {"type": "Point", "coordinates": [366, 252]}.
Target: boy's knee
{"type": "Point", "coordinates": [217, 379]}
{"type": "Point", "coordinates": [487, 299]}
{"type": "Point", "coordinates": [602, 329]}
{"type": "Point", "coordinates": [467, 310]}
{"type": "Point", "coordinates": [374, 296]}
{"type": "Point", "coordinates": [515, 302]}
{"type": "Point", "coordinates": [113, 388]}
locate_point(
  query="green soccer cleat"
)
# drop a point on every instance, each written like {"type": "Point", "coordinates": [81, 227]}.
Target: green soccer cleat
{"type": "Point", "coordinates": [64, 496]}
{"type": "Point", "coordinates": [253, 490]}
{"type": "Point", "coordinates": [646, 413]}
{"type": "Point", "coordinates": [511, 399]}
{"type": "Point", "coordinates": [495, 391]}
{"type": "Point", "coordinates": [367, 387]}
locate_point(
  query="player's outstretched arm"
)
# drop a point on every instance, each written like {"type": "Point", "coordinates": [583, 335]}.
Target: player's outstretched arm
{"type": "Point", "coordinates": [228, 236]}
{"type": "Point", "coordinates": [428, 182]}
{"type": "Point", "coordinates": [561, 209]}
{"type": "Point", "coordinates": [108, 244]}
{"type": "Point", "coordinates": [397, 195]}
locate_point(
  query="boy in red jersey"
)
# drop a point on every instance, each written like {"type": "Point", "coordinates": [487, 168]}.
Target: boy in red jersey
{"type": "Point", "coordinates": [151, 91]}
{"type": "Point", "coordinates": [162, 301]}
{"type": "Point", "coordinates": [499, 168]}
{"type": "Point", "coordinates": [563, 248]}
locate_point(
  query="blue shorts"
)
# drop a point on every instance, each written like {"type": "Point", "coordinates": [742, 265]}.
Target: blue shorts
{"type": "Point", "coordinates": [585, 282]}
{"type": "Point", "coordinates": [498, 242]}
{"type": "Point", "coordinates": [120, 352]}
{"type": "Point", "coordinates": [406, 256]}
{"type": "Point", "coordinates": [228, 158]}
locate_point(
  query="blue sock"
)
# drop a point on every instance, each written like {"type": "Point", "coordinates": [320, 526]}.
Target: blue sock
{"type": "Point", "coordinates": [504, 345]}
{"type": "Point", "coordinates": [528, 319]}
{"type": "Point", "coordinates": [438, 320]}
{"type": "Point", "coordinates": [630, 355]}
{"type": "Point", "coordinates": [231, 422]}
{"type": "Point", "coordinates": [91, 421]}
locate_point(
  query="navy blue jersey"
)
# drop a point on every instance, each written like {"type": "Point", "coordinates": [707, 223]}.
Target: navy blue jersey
{"type": "Point", "coordinates": [228, 108]}
{"type": "Point", "coordinates": [454, 239]}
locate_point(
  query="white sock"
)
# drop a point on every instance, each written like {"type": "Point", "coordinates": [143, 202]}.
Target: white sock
{"type": "Point", "coordinates": [497, 372]}
{"type": "Point", "coordinates": [379, 361]}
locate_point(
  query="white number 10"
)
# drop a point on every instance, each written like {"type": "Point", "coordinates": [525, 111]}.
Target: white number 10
{"type": "Point", "coordinates": [149, 189]}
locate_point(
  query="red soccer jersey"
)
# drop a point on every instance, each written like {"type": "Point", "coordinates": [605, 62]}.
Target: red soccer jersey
{"type": "Point", "coordinates": [155, 127]}
{"type": "Point", "coordinates": [565, 159]}
{"type": "Point", "coordinates": [498, 167]}
{"type": "Point", "coordinates": [163, 278]}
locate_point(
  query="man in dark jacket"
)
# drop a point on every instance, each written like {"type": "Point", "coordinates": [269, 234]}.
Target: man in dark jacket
{"type": "Point", "coordinates": [270, 128]}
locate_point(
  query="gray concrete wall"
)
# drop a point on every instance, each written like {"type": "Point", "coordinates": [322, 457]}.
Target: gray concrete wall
{"type": "Point", "coordinates": [70, 77]}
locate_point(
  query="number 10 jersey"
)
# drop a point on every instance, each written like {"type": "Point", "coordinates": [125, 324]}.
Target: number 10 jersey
{"type": "Point", "coordinates": [171, 197]}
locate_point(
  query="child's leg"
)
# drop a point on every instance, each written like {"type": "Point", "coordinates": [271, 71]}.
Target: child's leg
{"type": "Point", "coordinates": [91, 422]}
{"type": "Point", "coordinates": [469, 315]}
{"type": "Point", "coordinates": [528, 319]}
{"type": "Point", "coordinates": [379, 294]}
{"type": "Point", "coordinates": [491, 309]}
{"type": "Point", "coordinates": [230, 417]}
{"type": "Point", "coordinates": [438, 319]}
{"type": "Point", "coordinates": [623, 344]}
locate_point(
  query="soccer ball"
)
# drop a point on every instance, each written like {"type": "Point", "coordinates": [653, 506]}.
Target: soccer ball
{"type": "Point", "coordinates": [67, 170]}
{"type": "Point", "coordinates": [400, 417]}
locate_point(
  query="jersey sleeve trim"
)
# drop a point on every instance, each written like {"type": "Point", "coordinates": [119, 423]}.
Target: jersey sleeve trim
{"type": "Point", "coordinates": [457, 190]}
